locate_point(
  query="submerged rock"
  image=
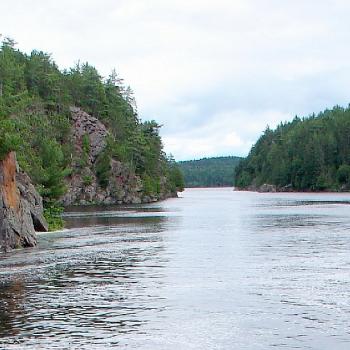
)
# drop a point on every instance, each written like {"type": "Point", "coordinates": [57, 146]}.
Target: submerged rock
{"type": "Point", "coordinates": [21, 209]}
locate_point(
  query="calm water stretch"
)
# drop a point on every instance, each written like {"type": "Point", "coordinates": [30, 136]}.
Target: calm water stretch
{"type": "Point", "coordinates": [214, 269]}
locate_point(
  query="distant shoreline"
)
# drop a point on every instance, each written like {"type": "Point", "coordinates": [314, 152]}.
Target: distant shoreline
{"type": "Point", "coordinates": [274, 189]}
{"type": "Point", "coordinates": [209, 187]}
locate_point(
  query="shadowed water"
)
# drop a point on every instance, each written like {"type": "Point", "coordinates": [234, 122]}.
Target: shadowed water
{"type": "Point", "coordinates": [214, 269]}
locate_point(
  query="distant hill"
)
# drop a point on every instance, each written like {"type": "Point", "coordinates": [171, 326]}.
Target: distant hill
{"type": "Point", "coordinates": [209, 172]}
{"type": "Point", "coordinates": [306, 154]}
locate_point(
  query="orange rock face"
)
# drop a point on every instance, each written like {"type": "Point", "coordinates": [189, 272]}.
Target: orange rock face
{"type": "Point", "coordinates": [8, 183]}
{"type": "Point", "coordinates": [21, 209]}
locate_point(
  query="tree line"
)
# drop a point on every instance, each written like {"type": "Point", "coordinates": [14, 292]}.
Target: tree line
{"type": "Point", "coordinates": [35, 97]}
{"type": "Point", "coordinates": [310, 153]}
{"type": "Point", "coordinates": [209, 172]}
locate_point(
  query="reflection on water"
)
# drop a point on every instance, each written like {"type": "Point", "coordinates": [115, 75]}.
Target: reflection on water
{"type": "Point", "coordinates": [11, 305]}
{"type": "Point", "coordinates": [215, 269]}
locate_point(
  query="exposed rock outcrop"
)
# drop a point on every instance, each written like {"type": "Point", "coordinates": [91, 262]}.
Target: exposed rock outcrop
{"type": "Point", "coordinates": [85, 125]}
{"type": "Point", "coordinates": [123, 187]}
{"type": "Point", "coordinates": [21, 210]}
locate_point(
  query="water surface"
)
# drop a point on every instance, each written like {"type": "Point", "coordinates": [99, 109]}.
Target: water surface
{"type": "Point", "coordinates": [214, 269]}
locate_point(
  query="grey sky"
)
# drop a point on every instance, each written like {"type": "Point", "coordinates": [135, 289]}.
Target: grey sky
{"type": "Point", "coordinates": [214, 73]}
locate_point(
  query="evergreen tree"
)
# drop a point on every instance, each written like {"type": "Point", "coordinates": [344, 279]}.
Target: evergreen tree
{"type": "Point", "coordinates": [306, 154]}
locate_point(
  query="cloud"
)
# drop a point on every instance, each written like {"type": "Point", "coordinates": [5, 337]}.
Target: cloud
{"type": "Point", "coordinates": [227, 133]}
{"type": "Point", "coordinates": [213, 73]}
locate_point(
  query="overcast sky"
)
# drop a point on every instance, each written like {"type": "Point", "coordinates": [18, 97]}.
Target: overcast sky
{"type": "Point", "coordinates": [214, 73]}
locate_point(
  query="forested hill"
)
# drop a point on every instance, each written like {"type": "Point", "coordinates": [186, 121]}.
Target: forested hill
{"type": "Point", "coordinates": [209, 172]}
{"type": "Point", "coordinates": [78, 135]}
{"type": "Point", "coordinates": [311, 153]}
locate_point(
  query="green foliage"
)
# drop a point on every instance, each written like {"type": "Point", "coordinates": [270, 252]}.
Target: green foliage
{"type": "Point", "coordinates": [46, 167]}
{"type": "Point", "coordinates": [175, 175]}
{"type": "Point", "coordinates": [151, 185]}
{"type": "Point", "coordinates": [343, 174]}
{"type": "Point", "coordinates": [35, 98]}
{"type": "Point", "coordinates": [86, 144]}
{"type": "Point", "coordinates": [86, 89]}
{"type": "Point", "coordinates": [209, 172]}
{"type": "Point", "coordinates": [305, 154]}
{"type": "Point", "coordinates": [53, 216]}
{"type": "Point", "coordinates": [9, 139]}
{"type": "Point", "coordinates": [103, 168]}
{"type": "Point", "coordinates": [86, 151]}
{"type": "Point", "coordinates": [177, 179]}
{"type": "Point", "coordinates": [120, 151]}
{"type": "Point", "coordinates": [87, 180]}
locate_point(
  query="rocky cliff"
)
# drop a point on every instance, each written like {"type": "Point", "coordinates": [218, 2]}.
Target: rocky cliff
{"type": "Point", "coordinates": [89, 136]}
{"type": "Point", "coordinates": [21, 209]}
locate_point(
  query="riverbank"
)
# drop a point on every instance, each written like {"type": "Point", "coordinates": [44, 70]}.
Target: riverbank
{"type": "Point", "coordinates": [265, 188]}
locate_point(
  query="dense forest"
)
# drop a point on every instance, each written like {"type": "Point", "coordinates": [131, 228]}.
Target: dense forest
{"type": "Point", "coordinates": [311, 153]}
{"type": "Point", "coordinates": [35, 121]}
{"type": "Point", "coordinates": [209, 172]}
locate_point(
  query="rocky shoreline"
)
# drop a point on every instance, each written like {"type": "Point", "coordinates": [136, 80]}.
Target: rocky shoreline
{"type": "Point", "coordinates": [21, 213]}
{"type": "Point", "coordinates": [21, 206]}
{"type": "Point", "coordinates": [268, 188]}
{"type": "Point", "coordinates": [124, 186]}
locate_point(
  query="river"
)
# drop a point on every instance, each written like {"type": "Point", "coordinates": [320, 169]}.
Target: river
{"type": "Point", "coordinates": [213, 269]}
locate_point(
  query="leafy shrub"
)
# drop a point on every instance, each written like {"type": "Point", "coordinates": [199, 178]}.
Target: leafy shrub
{"type": "Point", "coordinates": [343, 174]}
{"type": "Point", "coordinates": [86, 151]}
{"type": "Point", "coordinates": [53, 216]}
{"type": "Point", "coordinates": [103, 168]}
{"type": "Point", "coordinates": [87, 180]}
{"type": "Point", "coordinates": [151, 186]}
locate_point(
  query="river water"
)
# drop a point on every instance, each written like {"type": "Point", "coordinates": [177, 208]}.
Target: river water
{"type": "Point", "coordinates": [213, 269]}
